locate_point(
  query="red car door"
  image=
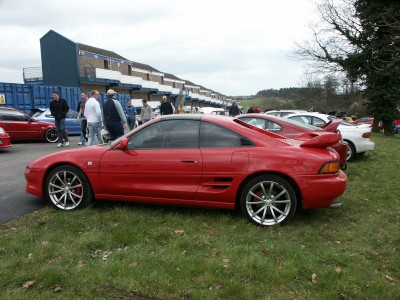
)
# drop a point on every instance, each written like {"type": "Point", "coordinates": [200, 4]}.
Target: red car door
{"type": "Point", "coordinates": [18, 125]}
{"type": "Point", "coordinates": [163, 161]}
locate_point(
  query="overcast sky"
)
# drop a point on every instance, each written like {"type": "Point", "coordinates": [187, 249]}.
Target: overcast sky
{"type": "Point", "coordinates": [232, 47]}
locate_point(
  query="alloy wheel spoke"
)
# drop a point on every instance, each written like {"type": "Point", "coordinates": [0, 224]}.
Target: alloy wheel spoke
{"type": "Point", "coordinates": [278, 210]}
{"type": "Point", "coordinates": [75, 195]}
{"type": "Point", "coordinates": [282, 201]}
{"type": "Point", "coordinates": [273, 215]}
{"type": "Point", "coordinates": [76, 186]}
{"type": "Point", "coordinates": [258, 211]}
{"type": "Point", "coordinates": [271, 187]}
{"type": "Point", "coordinates": [263, 188]}
{"type": "Point", "coordinates": [72, 199]}
{"type": "Point", "coordinates": [264, 213]}
{"type": "Point", "coordinates": [280, 194]}
{"type": "Point", "coordinates": [255, 196]}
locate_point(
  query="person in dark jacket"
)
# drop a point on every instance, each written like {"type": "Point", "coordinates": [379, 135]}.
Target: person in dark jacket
{"type": "Point", "coordinates": [114, 116]}
{"type": "Point", "coordinates": [59, 109]}
{"type": "Point", "coordinates": [166, 107]}
{"type": "Point", "coordinates": [234, 110]}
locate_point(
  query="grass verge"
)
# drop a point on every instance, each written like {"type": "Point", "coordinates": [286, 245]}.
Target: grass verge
{"type": "Point", "coordinates": [131, 251]}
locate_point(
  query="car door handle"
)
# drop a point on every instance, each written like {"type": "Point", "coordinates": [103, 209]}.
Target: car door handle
{"type": "Point", "coordinates": [189, 160]}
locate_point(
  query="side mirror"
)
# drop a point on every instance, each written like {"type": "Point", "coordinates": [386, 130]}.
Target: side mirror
{"type": "Point", "coordinates": [124, 143]}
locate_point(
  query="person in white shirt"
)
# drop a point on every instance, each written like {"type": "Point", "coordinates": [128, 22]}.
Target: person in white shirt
{"type": "Point", "coordinates": [93, 115]}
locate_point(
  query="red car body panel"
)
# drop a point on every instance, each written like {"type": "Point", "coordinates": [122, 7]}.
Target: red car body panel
{"type": "Point", "coordinates": [209, 177]}
{"type": "Point", "coordinates": [25, 127]}
{"type": "Point", "coordinates": [5, 140]}
{"type": "Point", "coordinates": [291, 130]}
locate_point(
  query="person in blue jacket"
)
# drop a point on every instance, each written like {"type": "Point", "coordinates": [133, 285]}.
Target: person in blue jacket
{"type": "Point", "coordinates": [130, 113]}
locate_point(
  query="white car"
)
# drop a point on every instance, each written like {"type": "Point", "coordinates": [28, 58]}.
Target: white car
{"type": "Point", "coordinates": [284, 112]}
{"type": "Point", "coordinates": [356, 136]}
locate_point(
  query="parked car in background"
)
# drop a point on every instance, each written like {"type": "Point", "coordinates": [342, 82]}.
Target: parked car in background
{"type": "Point", "coordinates": [397, 126]}
{"type": "Point", "coordinates": [293, 129]}
{"type": "Point", "coordinates": [284, 112]}
{"type": "Point", "coordinates": [197, 160]}
{"type": "Point", "coordinates": [21, 126]}
{"type": "Point", "coordinates": [356, 136]}
{"type": "Point", "coordinates": [364, 120]}
{"type": "Point", "coordinates": [220, 112]}
{"type": "Point", "coordinates": [5, 140]}
{"type": "Point", "coordinates": [348, 119]}
{"type": "Point", "coordinates": [72, 124]}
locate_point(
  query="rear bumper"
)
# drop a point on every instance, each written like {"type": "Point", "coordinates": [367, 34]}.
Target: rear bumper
{"type": "Point", "coordinates": [323, 190]}
{"type": "Point", "coordinates": [367, 145]}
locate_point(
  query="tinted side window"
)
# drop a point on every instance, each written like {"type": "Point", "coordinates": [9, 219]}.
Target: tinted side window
{"type": "Point", "coordinates": [260, 123]}
{"type": "Point", "coordinates": [167, 134]}
{"type": "Point", "coordinates": [318, 122]}
{"type": "Point", "coordinates": [215, 136]}
{"type": "Point", "coordinates": [14, 116]}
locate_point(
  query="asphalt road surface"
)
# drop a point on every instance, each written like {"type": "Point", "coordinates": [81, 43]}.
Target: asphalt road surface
{"type": "Point", "coordinates": [14, 201]}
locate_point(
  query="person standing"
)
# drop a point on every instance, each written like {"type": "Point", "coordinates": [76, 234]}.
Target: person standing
{"type": "Point", "coordinates": [257, 109]}
{"type": "Point", "coordinates": [166, 107]}
{"type": "Point", "coordinates": [59, 109]}
{"type": "Point", "coordinates": [131, 115]}
{"type": "Point", "coordinates": [82, 118]}
{"type": "Point", "coordinates": [181, 110]}
{"type": "Point", "coordinates": [145, 112]}
{"type": "Point", "coordinates": [250, 110]}
{"type": "Point", "coordinates": [114, 117]}
{"type": "Point", "coordinates": [234, 110]}
{"type": "Point", "coordinates": [92, 114]}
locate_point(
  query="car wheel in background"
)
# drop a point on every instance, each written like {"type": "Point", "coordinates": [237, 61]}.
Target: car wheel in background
{"type": "Point", "coordinates": [51, 135]}
{"type": "Point", "coordinates": [351, 151]}
{"type": "Point", "coordinates": [67, 188]}
{"type": "Point", "coordinates": [268, 200]}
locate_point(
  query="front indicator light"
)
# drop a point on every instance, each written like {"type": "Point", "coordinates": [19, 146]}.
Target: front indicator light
{"type": "Point", "coordinates": [27, 170]}
{"type": "Point", "coordinates": [330, 167]}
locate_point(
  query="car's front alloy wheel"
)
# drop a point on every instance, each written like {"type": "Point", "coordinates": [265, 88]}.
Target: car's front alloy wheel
{"type": "Point", "coordinates": [268, 200]}
{"type": "Point", "coordinates": [68, 188]}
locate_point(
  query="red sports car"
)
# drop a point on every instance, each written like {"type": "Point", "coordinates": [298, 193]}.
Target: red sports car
{"type": "Point", "coordinates": [197, 160]}
{"type": "Point", "coordinates": [296, 130]}
{"type": "Point", "coordinates": [4, 139]}
{"type": "Point", "coordinates": [21, 126]}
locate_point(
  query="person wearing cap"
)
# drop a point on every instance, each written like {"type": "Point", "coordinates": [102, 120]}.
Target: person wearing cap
{"type": "Point", "coordinates": [166, 107]}
{"type": "Point", "coordinates": [114, 116]}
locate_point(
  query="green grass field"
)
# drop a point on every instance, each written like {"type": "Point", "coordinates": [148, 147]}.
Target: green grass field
{"type": "Point", "coordinates": [131, 251]}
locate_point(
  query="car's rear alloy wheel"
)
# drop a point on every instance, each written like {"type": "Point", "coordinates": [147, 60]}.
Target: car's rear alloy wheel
{"type": "Point", "coordinates": [68, 188]}
{"type": "Point", "coordinates": [51, 135]}
{"type": "Point", "coordinates": [268, 200]}
{"type": "Point", "coordinates": [351, 151]}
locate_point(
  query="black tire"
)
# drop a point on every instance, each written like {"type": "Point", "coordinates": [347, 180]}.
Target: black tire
{"type": "Point", "coordinates": [268, 200]}
{"type": "Point", "coordinates": [351, 151]}
{"type": "Point", "coordinates": [68, 188]}
{"type": "Point", "coordinates": [50, 135]}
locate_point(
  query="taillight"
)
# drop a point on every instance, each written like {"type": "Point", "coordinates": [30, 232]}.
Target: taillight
{"type": "Point", "coordinates": [330, 167]}
{"type": "Point", "coordinates": [366, 135]}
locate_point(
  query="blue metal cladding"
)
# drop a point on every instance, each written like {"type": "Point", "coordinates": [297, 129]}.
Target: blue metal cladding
{"type": "Point", "coordinates": [59, 60]}
{"type": "Point", "coordinates": [27, 96]}
{"type": "Point", "coordinates": [16, 95]}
